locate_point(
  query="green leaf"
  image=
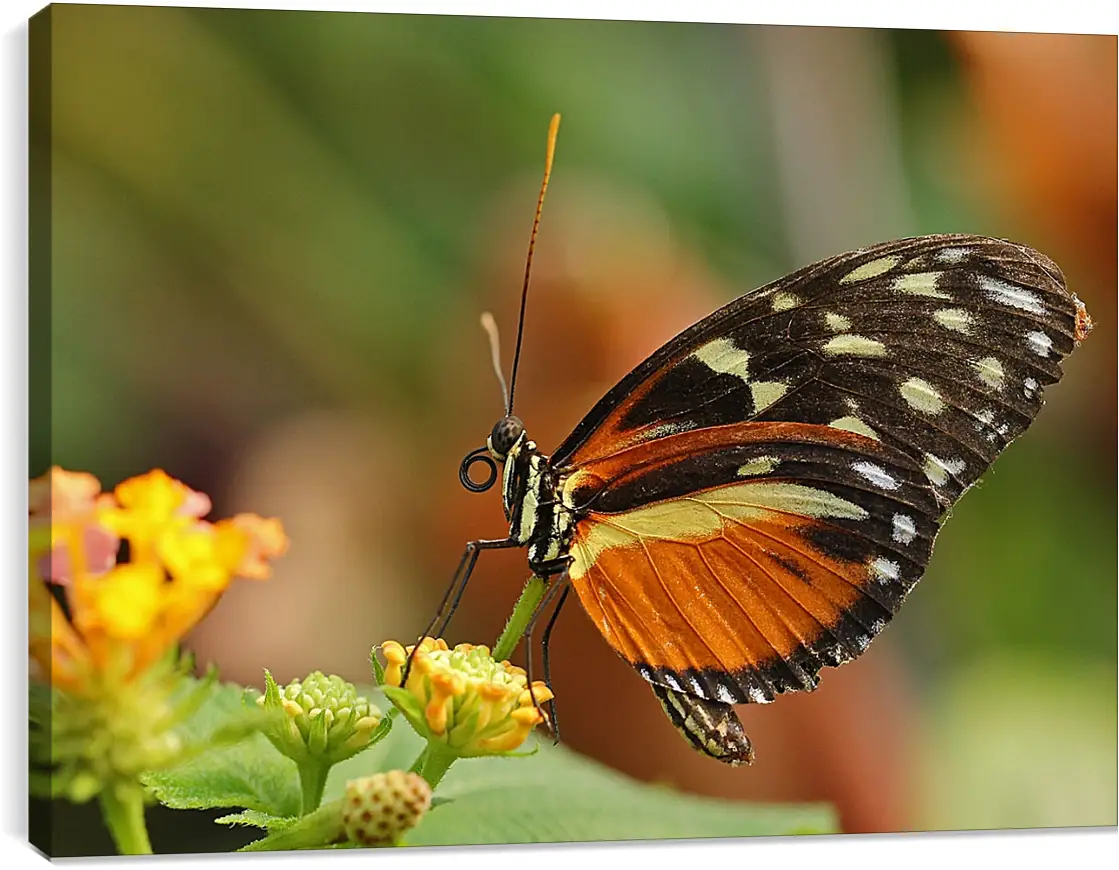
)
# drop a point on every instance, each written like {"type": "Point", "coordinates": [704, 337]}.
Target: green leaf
{"type": "Point", "coordinates": [312, 831]}
{"type": "Point", "coordinates": [378, 668]}
{"type": "Point", "coordinates": [257, 819]}
{"type": "Point", "coordinates": [250, 774]}
{"type": "Point", "coordinates": [557, 796]}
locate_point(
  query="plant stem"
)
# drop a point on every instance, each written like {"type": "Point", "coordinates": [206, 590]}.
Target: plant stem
{"type": "Point", "coordinates": [437, 760]}
{"type": "Point", "coordinates": [123, 810]}
{"type": "Point", "coordinates": [418, 764]}
{"type": "Point", "coordinates": [312, 779]}
{"type": "Point", "coordinates": [518, 619]}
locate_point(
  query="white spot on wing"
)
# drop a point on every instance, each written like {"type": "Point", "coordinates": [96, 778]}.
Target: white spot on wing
{"type": "Point", "coordinates": [937, 470]}
{"type": "Point", "coordinates": [1029, 388]}
{"type": "Point", "coordinates": [758, 696]}
{"type": "Point", "coordinates": [761, 465]}
{"type": "Point", "coordinates": [663, 429]}
{"type": "Point", "coordinates": [854, 424]}
{"type": "Point", "coordinates": [671, 680]}
{"type": "Point", "coordinates": [836, 322]}
{"type": "Point", "coordinates": [955, 319]}
{"type": "Point", "coordinates": [884, 570]}
{"type": "Point", "coordinates": [853, 345]}
{"type": "Point", "coordinates": [784, 301]}
{"type": "Point", "coordinates": [1010, 294]}
{"type": "Point", "coordinates": [1039, 343]}
{"type": "Point", "coordinates": [870, 270]}
{"type": "Point", "coordinates": [876, 474]}
{"type": "Point", "coordinates": [905, 530]}
{"type": "Point", "coordinates": [921, 284]}
{"type": "Point", "coordinates": [990, 372]}
{"type": "Point", "coordinates": [921, 396]}
{"type": "Point", "coordinates": [765, 393]}
{"type": "Point", "coordinates": [722, 356]}
{"type": "Point", "coordinates": [723, 694]}
{"type": "Point", "coordinates": [697, 688]}
{"type": "Point", "coordinates": [953, 256]}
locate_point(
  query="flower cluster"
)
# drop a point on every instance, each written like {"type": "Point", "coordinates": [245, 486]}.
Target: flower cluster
{"type": "Point", "coordinates": [324, 716]}
{"type": "Point", "coordinates": [107, 621]}
{"type": "Point", "coordinates": [461, 698]}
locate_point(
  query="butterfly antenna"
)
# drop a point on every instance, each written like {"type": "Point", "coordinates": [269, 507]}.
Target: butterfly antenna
{"type": "Point", "coordinates": [553, 131]}
{"type": "Point", "coordinates": [490, 326]}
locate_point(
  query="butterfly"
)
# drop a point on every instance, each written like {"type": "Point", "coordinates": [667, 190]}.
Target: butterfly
{"type": "Point", "coordinates": [756, 499]}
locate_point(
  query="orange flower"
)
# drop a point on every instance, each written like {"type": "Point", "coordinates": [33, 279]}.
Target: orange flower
{"type": "Point", "coordinates": [266, 541]}
{"type": "Point", "coordinates": [61, 504]}
{"type": "Point", "coordinates": [123, 617]}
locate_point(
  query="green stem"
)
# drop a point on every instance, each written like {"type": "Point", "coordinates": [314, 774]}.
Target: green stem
{"type": "Point", "coordinates": [312, 780]}
{"type": "Point", "coordinates": [123, 809]}
{"type": "Point", "coordinates": [418, 764]}
{"type": "Point", "coordinates": [437, 760]}
{"type": "Point", "coordinates": [518, 620]}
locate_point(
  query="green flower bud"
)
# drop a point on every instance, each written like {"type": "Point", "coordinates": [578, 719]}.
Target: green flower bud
{"type": "Point", "coordinates": [324, 718]}
{"type": "Point", "coordinates": [377, 810]}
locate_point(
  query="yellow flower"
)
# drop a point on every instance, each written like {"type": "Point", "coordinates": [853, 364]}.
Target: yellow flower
{"type": "Point", "coordinates": [462, 698]}
{"type": "Point", "coordinates": [147, 507]}
{"type": "Point", "coordinates": [120, 618]}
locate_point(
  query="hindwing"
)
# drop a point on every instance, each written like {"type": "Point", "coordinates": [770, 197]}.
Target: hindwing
{"type": "Point", "coordinates": [733, 563]}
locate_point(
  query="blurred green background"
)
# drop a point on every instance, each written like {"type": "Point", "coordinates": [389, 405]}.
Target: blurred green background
{"type": "Point", "coordinates": [271, 235]}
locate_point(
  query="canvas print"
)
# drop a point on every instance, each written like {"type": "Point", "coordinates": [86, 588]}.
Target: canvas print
{"type": "Point", "coordinates": [457, 430]}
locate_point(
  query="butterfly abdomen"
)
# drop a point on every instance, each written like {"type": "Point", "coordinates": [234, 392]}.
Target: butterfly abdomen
{"type": "Point", "coordinates": [710, 726]}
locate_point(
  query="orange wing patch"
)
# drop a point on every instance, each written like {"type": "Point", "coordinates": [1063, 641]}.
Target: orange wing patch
{"type": "Point", "coordinates": [728, 594]}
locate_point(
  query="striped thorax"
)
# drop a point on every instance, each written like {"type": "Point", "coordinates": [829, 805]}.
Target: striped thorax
{"type": "Point", "coordinates": [537, 518]}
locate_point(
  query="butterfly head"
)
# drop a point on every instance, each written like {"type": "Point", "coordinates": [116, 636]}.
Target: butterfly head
{"type": "Point", "coordinates": [506, 432]}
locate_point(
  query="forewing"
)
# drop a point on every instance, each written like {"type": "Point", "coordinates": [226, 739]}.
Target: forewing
{"type": "Point", "coordinates": [939, 346]}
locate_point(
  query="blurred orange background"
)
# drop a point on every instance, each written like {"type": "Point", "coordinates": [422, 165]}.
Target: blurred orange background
{"type": "Point", "coordinates": [272, 236]}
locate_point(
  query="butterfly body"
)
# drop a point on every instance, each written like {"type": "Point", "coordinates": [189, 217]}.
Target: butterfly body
{"type": "Point", "coordinates": [755, 501]}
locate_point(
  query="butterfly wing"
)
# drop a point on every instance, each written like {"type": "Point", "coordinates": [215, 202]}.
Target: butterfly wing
{"type": "Point", "coordinates": [735, 562]}
{"type": "Point", "coordinates": [940, 346]}
{"type": "Point", "coordinates": [757, 498]}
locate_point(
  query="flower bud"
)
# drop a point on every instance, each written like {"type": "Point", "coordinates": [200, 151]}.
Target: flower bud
{"type": "Point", "coordinates": [377, 810]}
{"type": "Point", "coordinates": [324, 717]}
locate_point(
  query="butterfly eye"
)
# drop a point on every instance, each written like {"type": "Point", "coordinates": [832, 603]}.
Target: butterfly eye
{"type": "Point", "coordinates": [504, 435]}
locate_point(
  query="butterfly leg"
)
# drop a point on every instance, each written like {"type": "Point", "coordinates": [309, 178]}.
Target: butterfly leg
{"type": "Point", "coordinates": [454, 592]}
{"type": "Point", "coordinates": [546, 655]}
{"type": "Point", "coordinates": [712, 727]}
